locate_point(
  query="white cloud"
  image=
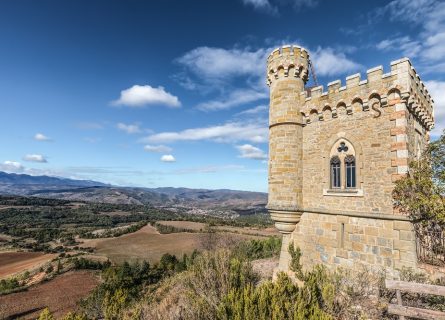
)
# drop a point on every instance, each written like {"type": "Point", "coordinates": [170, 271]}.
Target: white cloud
{"type": "Point", "coordinates": [12, 166]}
{"type": "Point", "coordinates": [41, 137]}
{"type": "Point", "coordinates": [129, 128]}
{"type": "Point", "coordinates": [429, 16]}
{"type": "Point", "coordinates": [168, 158]}
{"type": "Point", "coordinates": [267, 6]}
{"type": "Point", "coordinates": [159, 148]}
{"type": "Point", "coordinates": [235, 98]}
{"type": "Point", "coordinates": [329, 62]}
{"type": "Point", "coordinates": [434, 47]}
{"type": "Point", "coordinates": [262, 5]}
{"type": "Point", "coordinates": [35, 158]}
{"type": "Point", "coordinates": [410, 10]}
{"type": "Point", "coordinates": [219, 63]}
{"type": "Point", "coordinates": [139, 96]}
{"type": "Point", "coordinates": [254, 111]}
{"type": "Point", "coordinates": [437, 91]}
{"type": "Point", "coordinates": [251, 152]}
{"type": "Point", "coordinates": [229, 132]}
{"type": "Point", "coordinates": [409, 47]}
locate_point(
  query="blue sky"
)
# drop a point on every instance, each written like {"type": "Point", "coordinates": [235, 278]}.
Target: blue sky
{"type": "Point", "coordinates": [172, 92]}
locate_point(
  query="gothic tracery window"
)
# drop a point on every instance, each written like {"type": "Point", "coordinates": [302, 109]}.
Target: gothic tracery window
{"type": "Point", "coordinates": [350, 171]}
{"type": "Point", "coordinates": [343, 166]}
{"type": "Point", "coordinates": [335, 172]}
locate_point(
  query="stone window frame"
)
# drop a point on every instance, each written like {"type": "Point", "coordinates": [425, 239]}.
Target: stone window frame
{"type": "Point", "coordinates": [350, 150]}
{"type": "Point", "coordinates": [351, 172]}
{"type": "Point", "coordinates": [335, 163]}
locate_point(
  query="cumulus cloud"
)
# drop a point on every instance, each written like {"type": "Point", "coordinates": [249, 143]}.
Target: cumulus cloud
{"type": "Point", "coordinates": [41, 137]}
{"type": "Point", "coordinates": [248, 151]}
{"type": "Point", "coordinates": [159, 148]}
{"type": "Point", "coordinates": [229, 132]}
{"type": "Point", "coordinates": [329, 62]}
{"type": "Point", "coordinates": [35, 158]}
{"type": "Point", "coordinates": [437, 91]}
{"type": "Point", "coordinates": [209, 68]}
{"type": "Point", "coordinates": [139, 96]}
{"type": "Point", "coordinates": [168, 158]}
{"type": "Point", "coordinates": [219, 63]}
{"type": "Point", "coordinates": [12, 166]}
{"type": "Point", "coordinates": [129, 128]}
{"type": "Point", "coordinates": [234, 99]}
{"type": "Point", "coordinates": [224, 64]}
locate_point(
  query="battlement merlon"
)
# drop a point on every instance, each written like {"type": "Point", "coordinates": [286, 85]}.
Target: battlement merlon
{"type": "Point", "coordinates": [286, 62]}
{"type": "Point", "coordinates": [402, 82]}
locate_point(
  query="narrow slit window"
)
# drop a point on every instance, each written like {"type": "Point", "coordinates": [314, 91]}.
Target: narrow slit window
{"type": "Point", "coordinates": [335, 172]}
{"type": "Point", "coordinates": [350, 172]}
{"type": "Point", "coordinates": [342, 235]}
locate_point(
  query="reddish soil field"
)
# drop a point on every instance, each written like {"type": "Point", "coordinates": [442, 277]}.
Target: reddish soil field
{"type": "Point", "coordinates": [16, 262]}
{"type": "Point", "coordinates": [59, 295]}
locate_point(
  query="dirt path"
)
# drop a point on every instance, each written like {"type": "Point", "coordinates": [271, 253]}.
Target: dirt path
{"type": "Point", "coordinates": [59, 295]}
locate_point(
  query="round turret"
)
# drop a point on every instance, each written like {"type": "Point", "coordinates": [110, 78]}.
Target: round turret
{"type": "Point", "coordinates": [287, 73]}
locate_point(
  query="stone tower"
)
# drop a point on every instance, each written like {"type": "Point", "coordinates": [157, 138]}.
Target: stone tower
{"type": "Point", "coordinates": [334, 157]}
{"type": "Point", "coordinates": [287, 75]}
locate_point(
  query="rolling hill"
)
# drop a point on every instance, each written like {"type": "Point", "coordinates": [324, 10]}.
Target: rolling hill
{"type": "Point", "coordinates": [93, 191]}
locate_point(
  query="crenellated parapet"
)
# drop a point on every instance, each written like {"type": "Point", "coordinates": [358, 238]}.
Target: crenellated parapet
{"type": "Point", "coordinates": [287, 62]}
{"type": "Point", "coordinates": [377, 91]}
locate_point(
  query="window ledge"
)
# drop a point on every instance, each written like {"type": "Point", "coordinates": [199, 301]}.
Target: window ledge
{"type": "Point", "coordinates": [343, 192]}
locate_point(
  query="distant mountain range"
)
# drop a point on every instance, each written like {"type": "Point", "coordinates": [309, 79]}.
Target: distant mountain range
{"type": "Point", "coordinates": [25, 179]}
{"type": "Point", "coordinates": [93, 191]}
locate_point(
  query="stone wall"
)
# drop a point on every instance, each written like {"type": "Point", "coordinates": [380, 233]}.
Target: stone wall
{"type": "Point", "coordinates": [372, 141]}
{"type": "Point", "coordinates": [383, 122]}
{"type": "Point", "coordinates": [339, 240]}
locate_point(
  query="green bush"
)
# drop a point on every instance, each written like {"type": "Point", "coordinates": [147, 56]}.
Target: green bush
{"type": "Point", "coordinates": [259, 249]}
{"type": "Point", "coordinates": [8, 285]}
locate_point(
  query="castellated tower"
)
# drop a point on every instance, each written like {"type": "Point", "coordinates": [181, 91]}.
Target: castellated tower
{"type": "Point", "coordinates": [334, 157]}
{"type": "Point", "coordinates": [287, 75]}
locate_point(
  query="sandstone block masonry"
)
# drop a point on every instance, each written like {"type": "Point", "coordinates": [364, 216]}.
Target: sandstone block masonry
{"type": "Point", "coordinates": [334, 157]}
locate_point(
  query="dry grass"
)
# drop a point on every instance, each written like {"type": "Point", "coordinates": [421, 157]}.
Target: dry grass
{"type": "Point", "coordinates": [59, 295]}
{"type": "Point", "coordinates": [145, 244]}
{"type": "Point", "coordinates": [267, 232]}
{"type": "Point", "coordinates": [148, 244]}
{"type": "Point", "coordinates": [185, 224]}
{"type": "Point", "coordinates": [16, 262]}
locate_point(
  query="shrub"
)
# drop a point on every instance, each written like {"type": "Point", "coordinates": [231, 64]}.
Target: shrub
{"type": "Point", "coordinates": [259, 249]}
{"type": "Point", "coordinates": [8, 285]}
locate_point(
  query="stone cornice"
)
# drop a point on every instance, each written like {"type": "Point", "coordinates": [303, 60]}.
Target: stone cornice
{"type": "Point", "coordinates": [366, 215]}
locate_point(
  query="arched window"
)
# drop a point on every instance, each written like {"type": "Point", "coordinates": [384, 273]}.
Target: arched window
{"type": "Point", "coordinates": [335, 172]}
{"type": "Point", "coordinates": [350, 171]}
